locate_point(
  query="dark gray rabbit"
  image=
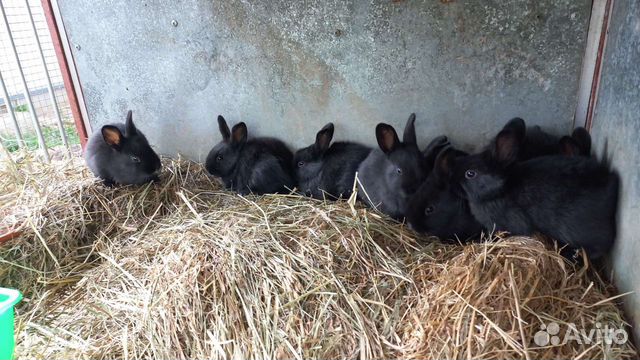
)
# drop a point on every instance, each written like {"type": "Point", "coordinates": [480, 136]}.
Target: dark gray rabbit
{"type": "Point", "coordinates": [572, 199]}
{"type": "Point", "coordinates": [324, 169]}
{"type": "Point", "coordinates": [120, 154]}
{"type": "Point", "coordinates": [257, 165]}
{"type": "Point", "coordinates": [392, 173]}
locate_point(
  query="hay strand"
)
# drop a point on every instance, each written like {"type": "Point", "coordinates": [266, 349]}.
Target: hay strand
{"type": "Point", "coordinates": [184, 269]}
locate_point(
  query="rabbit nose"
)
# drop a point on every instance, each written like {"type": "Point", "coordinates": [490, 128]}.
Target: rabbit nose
{"type": "Point", "coordinates": [307, 192]}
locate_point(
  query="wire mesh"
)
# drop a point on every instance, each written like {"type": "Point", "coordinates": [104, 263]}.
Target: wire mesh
{"type": "Point", "coordinates": [28, 53]}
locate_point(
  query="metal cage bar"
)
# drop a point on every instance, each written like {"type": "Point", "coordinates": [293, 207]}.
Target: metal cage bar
{"type": "Point", "coordinates": [12, 115]}
{"type": "Point", "coordinates": [67, 68]}
{"type": "Point", "coordinates": [34, 117]}
{"type": "Point", "coordinates": [52, 94]}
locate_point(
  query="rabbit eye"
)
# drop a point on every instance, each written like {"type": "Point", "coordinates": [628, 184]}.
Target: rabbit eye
{"type": "Point", "coordinates": [399, 171]}
{"type": "Point", "coordinates": [219, 158]}
{"type": "Point", "coordinates": [300, 163]}
{"type": "Point", "coordinates": [429, 210]}
{"type": "Point", "coordinates": [470, 174]}
{"type": "Point", "coordinates": [135, 159]}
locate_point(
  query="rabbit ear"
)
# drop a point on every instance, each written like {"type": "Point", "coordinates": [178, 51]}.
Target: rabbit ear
{"type": "Point", "coordinates": [112, 136]}
{"type": "Point", "coordinates": [239, 133]}
{"type": "Point", "coordinates": [569, 146]}
{"type": "Point", "coordinates": [506, 147]}
{"type": "Point", "coordinates": [224, 128]}
{"type": "Point", "coordinates": [409, 135]}
{"type": "Point", "coordinates": [443, 165]}
{"type": "Point", "coordinates": [508, 141]}
{"type": "Point", "coordinates": [583, 139]}
{"type": "Point", "coordinates": [387, 138]}
{"type": "Point", "coordinates": [433, 149]}
{"type": "Point", "coordinates": [517, 127]}
{"type": "Point", "coordinates": [323, 137]}
{"type": "Point", "coordinates": [130, 128]}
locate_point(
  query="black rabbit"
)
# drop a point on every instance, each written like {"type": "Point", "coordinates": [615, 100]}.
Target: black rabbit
{"type": "Point", "coordinates": [578, 144]}
{"type": "Point", "coordinates": [440, 206]}
{"type": "Point", "coordinates": [258, 165]}
{"type": "Point", "coordinates": [572, 199]}
{"type": "Point", "coordinates": [392, 173]}
{"type": "Point", "coordinates": [120, 154]}
{"type": "Point", "coordinates": [325, 169]}
{"type": "Point", "coordinates": [538, 142]}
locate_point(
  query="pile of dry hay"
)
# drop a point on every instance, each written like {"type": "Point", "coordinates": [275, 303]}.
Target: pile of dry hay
{"type": "Point", "coordinates": [183, 269]}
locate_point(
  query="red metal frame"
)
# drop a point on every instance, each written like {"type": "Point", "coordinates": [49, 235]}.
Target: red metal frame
{"type": "Point", "coordinates": [66, 74]}
{"type": "Point", "coordinates": [598, 66]}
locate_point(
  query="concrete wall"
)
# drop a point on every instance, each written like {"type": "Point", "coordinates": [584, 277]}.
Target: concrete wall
{"type": "Point", "coordinates": [288, 67]}
{"type": "Point", "coordinates": [617, 120]}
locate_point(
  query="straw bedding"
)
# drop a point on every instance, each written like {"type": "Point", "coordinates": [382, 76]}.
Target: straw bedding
{"type": "Point", "coordinates": [184, 269]}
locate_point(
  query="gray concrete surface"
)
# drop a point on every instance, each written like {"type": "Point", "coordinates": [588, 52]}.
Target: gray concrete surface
{"type": "Point", "coordinates": [617, 121]}
{"type": "Point", "coordinates": [288, 67]}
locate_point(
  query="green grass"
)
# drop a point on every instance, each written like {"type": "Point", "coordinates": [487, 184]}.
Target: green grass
{"type": "Point", "coordinates": [51, 137]}
{"type": "Point", "coordinates": [21, 108]}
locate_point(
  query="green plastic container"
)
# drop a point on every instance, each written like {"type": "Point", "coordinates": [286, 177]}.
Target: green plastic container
{"type": "Point", "coordinates": [8, 299]}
